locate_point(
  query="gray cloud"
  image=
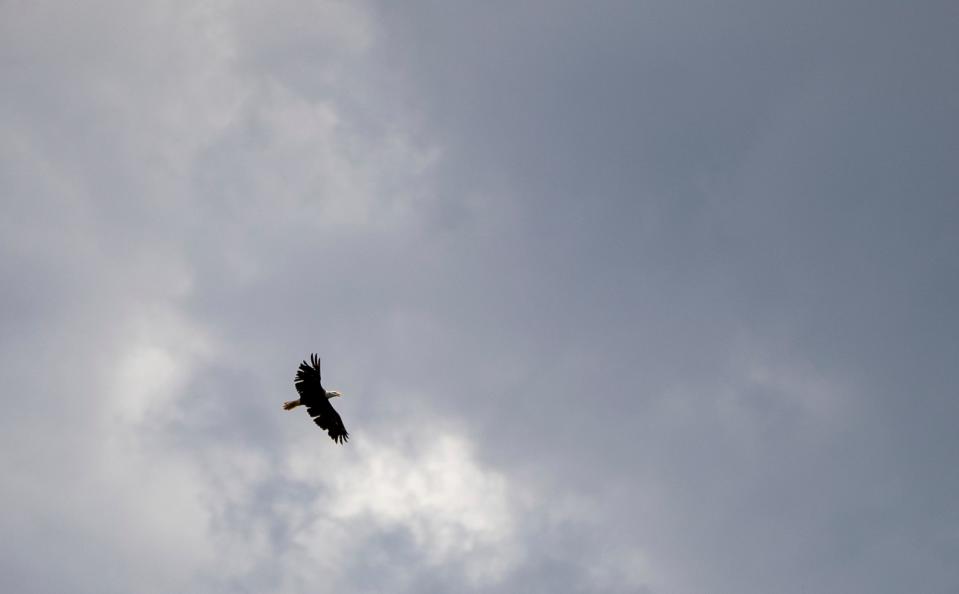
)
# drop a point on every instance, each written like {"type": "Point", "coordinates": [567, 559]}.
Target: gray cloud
{"type": "Point", "coordinates": [623, 298]}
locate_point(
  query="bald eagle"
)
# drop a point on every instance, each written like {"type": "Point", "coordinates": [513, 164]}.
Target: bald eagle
{"type": "Point", "coordinates": [317, 400]}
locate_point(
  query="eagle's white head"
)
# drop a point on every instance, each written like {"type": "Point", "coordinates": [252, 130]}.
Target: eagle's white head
{"type": "Point", "coordinates": [332, 394]}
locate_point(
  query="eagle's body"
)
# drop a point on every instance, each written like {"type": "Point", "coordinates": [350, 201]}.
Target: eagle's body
{"type": "Point", "coordinates": [317, 400]}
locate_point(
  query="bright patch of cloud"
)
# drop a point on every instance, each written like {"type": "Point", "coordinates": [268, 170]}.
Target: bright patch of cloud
{"type": "Point", "coordinates": [455, 510]}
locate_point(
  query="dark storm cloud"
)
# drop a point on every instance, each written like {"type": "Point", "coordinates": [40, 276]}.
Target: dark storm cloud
{"type": "Point", "coordinates": [689, 180]}
{"type": "Point", "coordinates": [624, 297]}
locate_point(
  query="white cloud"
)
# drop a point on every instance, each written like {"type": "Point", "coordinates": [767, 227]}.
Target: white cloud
{"type": "Point", "coordinates": [456, 510]}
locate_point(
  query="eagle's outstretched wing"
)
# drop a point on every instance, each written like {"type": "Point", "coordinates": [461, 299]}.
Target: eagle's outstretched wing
{"type": "Point", "coordinates": [328, 419]}
{"type": "Point", "coordinates": [308, 381]}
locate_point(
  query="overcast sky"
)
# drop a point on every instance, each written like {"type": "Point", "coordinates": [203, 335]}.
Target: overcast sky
{"type": "Point", "coordinates": [652, 297]}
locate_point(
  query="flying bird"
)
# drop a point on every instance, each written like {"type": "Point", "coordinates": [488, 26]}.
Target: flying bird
{"type": "Point", "coordinates": [317, 400]}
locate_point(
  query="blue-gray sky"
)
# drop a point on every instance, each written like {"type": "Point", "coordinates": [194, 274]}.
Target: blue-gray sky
{"type": "Point", "coordinates": [647, 297]}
